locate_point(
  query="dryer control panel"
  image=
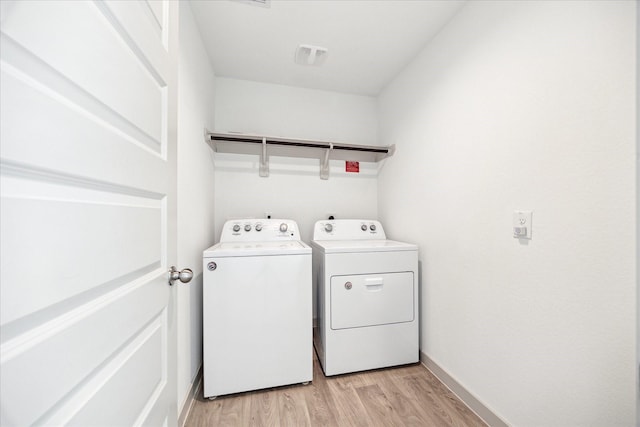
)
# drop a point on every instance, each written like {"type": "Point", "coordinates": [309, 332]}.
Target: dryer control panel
{"type": "Point", "coordinates": [259, 230]}
{"type": "Point", "coordinates": [348, 229]}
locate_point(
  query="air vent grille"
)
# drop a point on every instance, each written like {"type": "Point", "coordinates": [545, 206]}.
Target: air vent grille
{"type": "Point", "coordinates": [311, 55]}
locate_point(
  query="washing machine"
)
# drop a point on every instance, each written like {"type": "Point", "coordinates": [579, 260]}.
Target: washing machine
{"type": "Point", "coordinates": [366, 296]}
{"type": "Point", "coordinates": [257, 308]}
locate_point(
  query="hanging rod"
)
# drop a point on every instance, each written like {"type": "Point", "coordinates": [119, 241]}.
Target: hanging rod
{"type": "Point", "coordinates": [264, 146]}
{"type": "Point", "coordinates": [299, 143]}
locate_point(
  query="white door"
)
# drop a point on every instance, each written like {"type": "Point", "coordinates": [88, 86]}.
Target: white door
{"type": "Point", "coordinates": [87, 169]}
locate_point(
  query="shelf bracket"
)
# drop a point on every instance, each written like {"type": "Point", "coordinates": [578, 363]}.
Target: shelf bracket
{"type": "Point", "coordinates": [264, 159]}
{"type": "Point", "coordinates": [324, 166]}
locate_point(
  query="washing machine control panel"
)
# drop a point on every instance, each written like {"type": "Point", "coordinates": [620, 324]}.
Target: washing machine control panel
{"type": "Point", "coordinates": [348, 229]}
{"type": "Point", "coordinates": [259, 230]}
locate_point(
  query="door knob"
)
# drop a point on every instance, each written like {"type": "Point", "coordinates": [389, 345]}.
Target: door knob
{"type": "Point", "coordinates": [184, 276]}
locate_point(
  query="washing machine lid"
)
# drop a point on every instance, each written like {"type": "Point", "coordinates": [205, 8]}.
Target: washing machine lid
{"type": "Point", "coordinates": [352, 246]}
{"type": "Point", "coordinates": [239, 249]}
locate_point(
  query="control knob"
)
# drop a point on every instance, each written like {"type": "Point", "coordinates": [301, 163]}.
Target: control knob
{"type": "Point", "coordinates": [259, 226]}
{"type": "Point", "coordinates": [283, 227]}
{"type": "Point", "coordinates": [372, 227]}
{"type": "Point", "coordinates": [247, 227]}
{"type": "Point", "coordinates": [236, 227]}
{"type": "Point", "coordinates": [328, 228]}
{"type": "Point", "coordinates": [363, 227]}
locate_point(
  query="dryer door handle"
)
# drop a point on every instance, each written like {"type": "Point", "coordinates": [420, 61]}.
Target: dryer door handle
{"type": "Point", "coordinates": [373, 284]}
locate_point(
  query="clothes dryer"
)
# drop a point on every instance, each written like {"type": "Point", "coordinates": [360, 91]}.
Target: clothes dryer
{"type": "Point", "coordinates": [257, 309]}
{"type": "Point", "coordinates": [366, 296]}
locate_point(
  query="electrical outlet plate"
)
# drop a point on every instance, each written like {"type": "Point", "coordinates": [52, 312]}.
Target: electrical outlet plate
{"type": "Point", "coordinates": [522, 224]}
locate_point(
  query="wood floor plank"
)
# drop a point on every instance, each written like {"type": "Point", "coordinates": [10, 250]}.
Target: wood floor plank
{"type": "Point", "coordinates": [264, 409]}
{"type": "Point", "coordinates": [440, 401]}
{"type": "Point", "coordinates": [428, 402]}
{"type": "Point", "coordinates": [293, 407]}
{"type": "Point", "coordinates": [204, 413]}
{"type": "Point", "coordinates": [320, 413]}
{"type": "Point", "coordinates": [401, 396]}
{"type": "Point", "coordinates": [408, 409]}
{"type": "Point", "coordinates": [378, 406]}
{"type": "Point", "coordinates": [234, 411]}
{"type": "Point", "coordinates": [344, 400]}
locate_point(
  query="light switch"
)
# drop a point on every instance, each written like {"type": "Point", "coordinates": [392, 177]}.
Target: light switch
{"type": "Point", "coordinates": [522, 224]}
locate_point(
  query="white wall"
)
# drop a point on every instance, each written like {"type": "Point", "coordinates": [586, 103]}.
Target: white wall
{"type": "Point", "coordinates": [293, 189]}
{"type": "Point", "coordinates": [638, 213]}
{"type": "Point", "coordinates": [195, 193]}
{"type": "Point", "coordinates": [523, 105]}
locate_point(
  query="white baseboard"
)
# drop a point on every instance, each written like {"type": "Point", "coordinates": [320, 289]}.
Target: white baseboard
{"type": "Point", "coordinates": [191, 398]}
{"type": "Point", "coordinates": [486, 414]}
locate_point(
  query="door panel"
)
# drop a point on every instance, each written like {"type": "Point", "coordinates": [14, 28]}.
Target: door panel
{"type": "Point", "coordinates": [41, 226]}
{"type": "Point", "coordinates": [158, 13]}
{"type": "Point", "coordinates": [32, 118]}
{"type": "Point", "coordinates": [61, 355]}
{"type": "Point", "coordinates": [87, 187]}
{"type": "Point", "coordinates": [84, 44]}
{"type": "Point", "coordinates": [142, 353]}
{"type": "Point", "coordinates": [371, 299]}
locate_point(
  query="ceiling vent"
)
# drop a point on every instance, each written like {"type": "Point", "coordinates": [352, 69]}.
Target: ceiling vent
{"type": "Point", "coordinates": [261, 3]}
{"type": "Point", "coordinates": [311, 55]}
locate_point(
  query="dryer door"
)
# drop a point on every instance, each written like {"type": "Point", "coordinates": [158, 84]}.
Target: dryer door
{"type": "Point", "coordinates": [371, 299]}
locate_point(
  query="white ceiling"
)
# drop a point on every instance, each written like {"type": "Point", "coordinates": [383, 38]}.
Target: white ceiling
{"type": "Point", "coordinates": [369, 41]}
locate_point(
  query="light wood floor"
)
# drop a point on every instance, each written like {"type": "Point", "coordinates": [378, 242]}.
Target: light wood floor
{"type": "Point", "coordinates": [403, 396]}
